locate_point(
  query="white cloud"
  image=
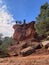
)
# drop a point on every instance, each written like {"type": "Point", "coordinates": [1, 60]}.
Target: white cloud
{"type": "Point", "coordinates": [5, 20]}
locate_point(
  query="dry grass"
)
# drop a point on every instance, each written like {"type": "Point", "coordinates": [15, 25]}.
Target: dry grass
{"type": "Point", "coordinates": [29, 60]}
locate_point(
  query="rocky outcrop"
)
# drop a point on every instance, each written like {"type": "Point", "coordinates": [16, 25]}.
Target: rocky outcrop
{"type": "Point", "coordinates": [24, 48]}
{"type": "Point", "coordinates": [24, 31]}
{"type": "Point", "coordinates": [25, 41]}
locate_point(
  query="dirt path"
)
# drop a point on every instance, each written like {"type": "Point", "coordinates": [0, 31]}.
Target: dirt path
{"type": "Point", "coordinates": [29, 60]}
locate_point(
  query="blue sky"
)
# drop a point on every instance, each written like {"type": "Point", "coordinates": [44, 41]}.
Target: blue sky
{"type": "Point", "coordinates": [25, 9]}
{"type": "Point", "coordinates": [12, 10]}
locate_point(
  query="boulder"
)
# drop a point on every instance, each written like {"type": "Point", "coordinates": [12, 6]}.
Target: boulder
{"type": "Point", "coordinates": [12, 53]}
{"type": "Point", "coordinates": [27, 51]}
{"type": "Point", "coordinates": [38, 46]}
{"type": "Point", "coordinates": [44, 43]}
{"type": "Point", "coordinates": [35, 45]}
{"type": "Point", "coordinates": [24, 45]}
{"type": "Point", "coordinates": [47, 45]}
{"type": "Point", "coordinates": [24, 48]}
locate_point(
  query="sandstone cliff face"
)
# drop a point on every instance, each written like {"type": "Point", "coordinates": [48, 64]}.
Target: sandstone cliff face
{"type": "Point", "coordinates": [25, 42]}
{"type": "Point", "coordinates": [24, 31]}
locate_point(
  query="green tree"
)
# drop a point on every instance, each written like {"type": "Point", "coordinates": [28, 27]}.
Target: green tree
{"type": "Point", "coordinates": [7, 41]}
{"type": "Point", "coordinates": [42, 25]}
{"type": "Point", "coordinates": [1, 36]}
{"type": "Point", "coordinates": [44, 12]}
{"type": "Point", "coordinates": [1, 39]}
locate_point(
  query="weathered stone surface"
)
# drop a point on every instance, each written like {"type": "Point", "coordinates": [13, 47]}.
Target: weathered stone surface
{"type": "Point", "coordinates": [12, 51]}
{"type": "Point", "coordinates": [47, 45]}
{"type": "Point", "coordinates": [25, 42]}
{"type": "Point", "coordinates": [28, 46]}
{"type": "Point", "coordinates": [24, 31]}
{"type": "Point", "coordinates": [37, 45]}
{"type": "Point", "coordinates": [31, 47]}
{"type": "Point", "coordinates": [44, 43]}
{"type": "Point", "coordinates": [27, 51]}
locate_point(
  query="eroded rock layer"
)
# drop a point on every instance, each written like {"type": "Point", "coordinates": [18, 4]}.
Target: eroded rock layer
{"type": "Point", "coordinates": [24, 31]}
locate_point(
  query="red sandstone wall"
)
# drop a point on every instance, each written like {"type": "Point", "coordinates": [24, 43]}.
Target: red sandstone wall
{"type": "Point", "coordinates": [24, 31]}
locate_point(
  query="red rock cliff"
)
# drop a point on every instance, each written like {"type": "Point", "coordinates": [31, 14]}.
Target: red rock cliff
{"type": "Point", "coordinates": [24, 31]}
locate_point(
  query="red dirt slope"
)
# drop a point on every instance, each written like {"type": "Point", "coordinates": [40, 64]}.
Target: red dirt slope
{"type": "Point", "coordinates": [29, 60]}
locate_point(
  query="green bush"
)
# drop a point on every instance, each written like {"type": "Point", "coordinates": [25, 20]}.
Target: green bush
{"type": "Point", "coordinates": [5, 44]}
